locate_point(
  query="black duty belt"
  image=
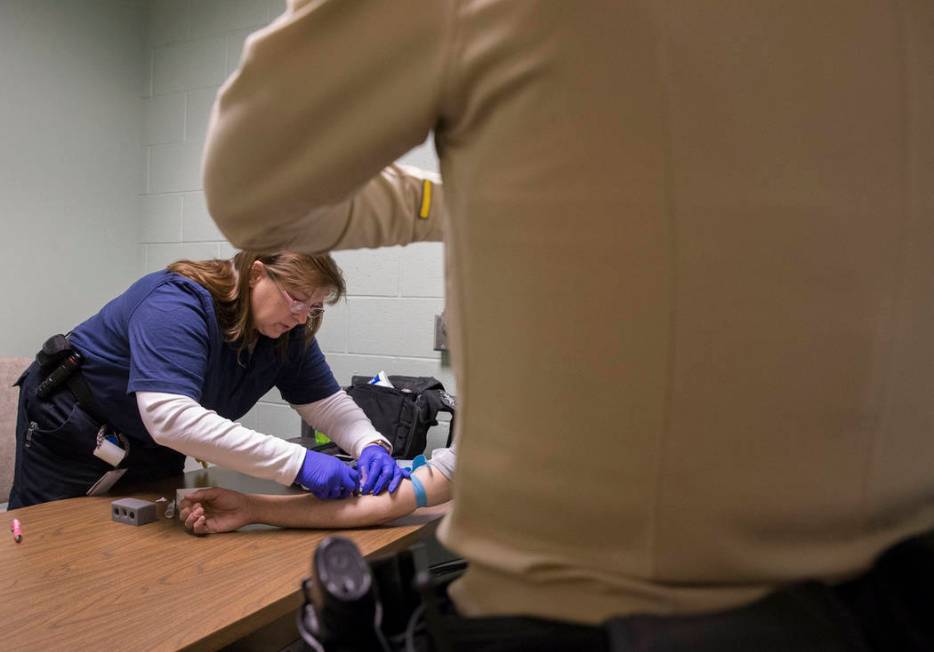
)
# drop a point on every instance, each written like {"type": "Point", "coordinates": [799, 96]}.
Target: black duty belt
{"type": "Point", "coordinates": [60, 363]}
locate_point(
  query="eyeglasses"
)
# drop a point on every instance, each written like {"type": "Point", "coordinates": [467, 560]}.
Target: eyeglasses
{"type": "Point", "coordinates": [297, 307]}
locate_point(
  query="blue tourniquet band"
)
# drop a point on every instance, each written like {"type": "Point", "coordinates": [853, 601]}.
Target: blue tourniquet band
{"type": "Point", "coordinates": [421, 498]}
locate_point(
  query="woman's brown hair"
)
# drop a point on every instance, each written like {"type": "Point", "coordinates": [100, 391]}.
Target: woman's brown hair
{"type": "Point", "coordinates": [228, 281]}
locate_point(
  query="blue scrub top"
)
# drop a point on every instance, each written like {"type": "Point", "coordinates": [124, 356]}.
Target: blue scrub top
{"type": "Point", "coordinates": [162, 335]}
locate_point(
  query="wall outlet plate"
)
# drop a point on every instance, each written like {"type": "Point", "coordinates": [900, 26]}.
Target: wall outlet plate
{"type": "Point", "coordinates": [133, 511]}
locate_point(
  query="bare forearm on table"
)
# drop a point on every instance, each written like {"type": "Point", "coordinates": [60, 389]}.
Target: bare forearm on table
{"type": "Point", "coordinates": [306, 511]}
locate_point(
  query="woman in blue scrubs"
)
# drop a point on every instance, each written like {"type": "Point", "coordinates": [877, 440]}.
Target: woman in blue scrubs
{"type": "Point", "coordinates": [168, 367]}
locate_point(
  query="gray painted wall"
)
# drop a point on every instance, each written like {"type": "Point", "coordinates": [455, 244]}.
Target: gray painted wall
{"type": "Point", "coordinates": [71, 74]}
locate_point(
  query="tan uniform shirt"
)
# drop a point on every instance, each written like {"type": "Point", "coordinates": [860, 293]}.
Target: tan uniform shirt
{"type": "Point", "coordinates": [691, 271]}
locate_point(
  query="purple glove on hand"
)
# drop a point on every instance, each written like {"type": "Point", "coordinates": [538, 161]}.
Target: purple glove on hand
{"type": "Point", "coordinates": [379, 470]}
{"type": "Point", "coordinates": [326, 476]}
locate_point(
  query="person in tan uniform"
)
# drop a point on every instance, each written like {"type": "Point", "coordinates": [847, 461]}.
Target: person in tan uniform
{"type": "Point", "coordinates": [690, 282]}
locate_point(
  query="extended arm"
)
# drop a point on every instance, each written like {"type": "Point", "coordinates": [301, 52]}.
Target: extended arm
{"type": "Point", "coordinates": [180, 423]}
{"type": "Point", "coordinates": [348, 426]}
{"type": "Point", "coordinates": [301, 134]}
{"type": "Point", "coordinates": [222, 510]}
{"type": "Point", "coordinates": [342, 420]}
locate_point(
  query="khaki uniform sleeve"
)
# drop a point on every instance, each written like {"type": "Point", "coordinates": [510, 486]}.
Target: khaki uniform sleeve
{"type": "Point", "coordinates": [300, 136]}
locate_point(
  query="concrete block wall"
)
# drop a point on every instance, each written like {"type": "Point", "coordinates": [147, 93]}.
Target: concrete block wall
{"type": "Point", "coordinates": [387, 320]}
{"type": "Point", "coordinates": [192, 45]}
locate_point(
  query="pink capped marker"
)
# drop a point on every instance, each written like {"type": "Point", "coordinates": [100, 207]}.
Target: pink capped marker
{"type": "Point", "coordinates": [17, 530]}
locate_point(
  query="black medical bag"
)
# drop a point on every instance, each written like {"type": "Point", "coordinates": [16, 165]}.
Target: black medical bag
{"type": "Point", "coordinates": [404, 413]}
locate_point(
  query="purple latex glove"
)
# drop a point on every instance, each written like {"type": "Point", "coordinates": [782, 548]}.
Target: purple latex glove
{"type": "Point", "coordinates": [326, 476]}
{"type": "Point", "coordinates": [379, 469]}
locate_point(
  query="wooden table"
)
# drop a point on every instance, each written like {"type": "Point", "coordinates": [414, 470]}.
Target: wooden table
{"type": "Point", "coordinates": [82, 581]}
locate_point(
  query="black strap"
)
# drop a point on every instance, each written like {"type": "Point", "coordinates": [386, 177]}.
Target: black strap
{"type": "Point", "coordinates": [79, 387]}
{"type": "Point", "coordinates": [440, 401]}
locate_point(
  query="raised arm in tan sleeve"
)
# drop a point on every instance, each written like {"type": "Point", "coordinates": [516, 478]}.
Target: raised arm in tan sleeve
{"type": "Point", "coordinates": [301, 135]}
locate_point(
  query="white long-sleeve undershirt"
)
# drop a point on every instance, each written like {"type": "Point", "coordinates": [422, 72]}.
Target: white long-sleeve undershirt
{"type": "Point", "coordinates": [181, 423]}
{"type": "Point", "coordinates": [445, 460]}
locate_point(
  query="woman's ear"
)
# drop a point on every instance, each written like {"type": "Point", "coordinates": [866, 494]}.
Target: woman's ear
{"type": "Point", "coordinates": [257, 272]}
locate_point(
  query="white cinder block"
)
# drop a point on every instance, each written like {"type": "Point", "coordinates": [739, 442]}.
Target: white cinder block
{"type": "Point", "coordinates": [278, 420]}
{"type": "Point", "coordinates": [423, 156]}
{"type": "Point", "coordinates": [218, 16]}
{"type": "Point", "coordinates": [235, 43]}
{"type": "Point", "coordinates": [143, 172]}
{"type": "Point", "coordinates": [175, 167]}
{"type": "Point", "coordinates": [199, 112]}
{"type": "Point", "coordinates": [250, 419]}
{"type": "Point", "coordinates": [425, 367]}
{"type": "Point", "coordinates": [93, 164]}
{"type": "Point", "coordinates": [160, 255]}
{"type": "Point", "coordinates": [164, 119]}
{"type": "Point", "coordinates": [197, 224]}
{"type": "Point", "coordinates": [422, 266]}
{"type": "Point", "coordinates": [332, 336]}
{"type": "Point", "coordinates": [226, 250]}
{"type": "Point", "coordinates": [168, 22]}
{"type": "Point", "coordinates": [273, 396]}
{"type": "Point", "coordinates": [146, 81]}
{"type": "Point", "coordinates": [396, 327]}
{"type": "Point", "coordinates": [190, 65]}
{"type": "Point", "coordinates": [160, 218]}
{"type": "Point", "coordinates": [102, 218]}
{"type": "Point", "coordinates": [370, 272]}
{"type": "Point", "coordinates": [346, 366]}
{"type": "Point", "coordinates": [274, 9]}
{"type": "Point", "coordinates": [437, 436]}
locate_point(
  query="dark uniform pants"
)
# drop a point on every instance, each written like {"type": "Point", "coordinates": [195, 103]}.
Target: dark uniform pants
{"type": "Point", "coordinates": [55, 440]}
{"type": "Point", "coordinates": [890, 607]}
